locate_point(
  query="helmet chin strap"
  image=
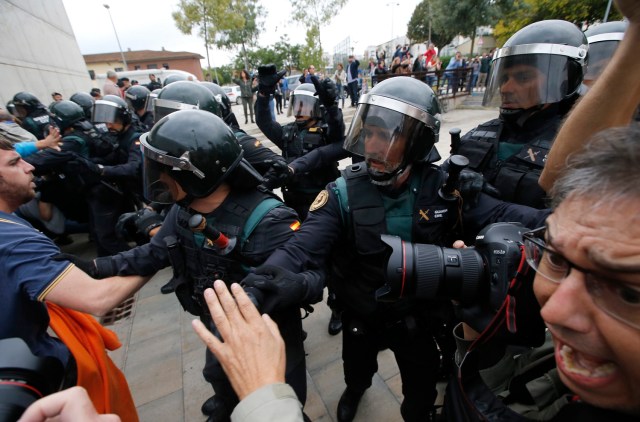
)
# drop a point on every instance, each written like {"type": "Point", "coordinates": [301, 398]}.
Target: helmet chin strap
{"type": "Point", "coordinates": [519, 115]}
{"type": "Point", "coordinates": [387, 179]}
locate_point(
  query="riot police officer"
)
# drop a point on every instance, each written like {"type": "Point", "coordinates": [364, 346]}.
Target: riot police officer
{"type": "Point", "coordinates": [395, 192]}
{"type": "Point", "coordinates": [85, 101]}
{"type": "Point", "coordinates": [314, 127]}
{"type": "Point", "coordinates": [113, 180]}
{"type": "Point", "coordinates": [32, 113]}
{"type": "Point", "coordinates": [194, 160]}
{"type": "Point", "coordinates": [137, 97]}
{"type": "Point", "coordinates": [603, 40]}
{"type": "Point", "coordinates": [535, 79]}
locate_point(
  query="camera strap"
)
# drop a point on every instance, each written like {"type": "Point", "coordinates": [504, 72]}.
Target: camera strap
{"type": "Point", "coordinates": [507, 312]}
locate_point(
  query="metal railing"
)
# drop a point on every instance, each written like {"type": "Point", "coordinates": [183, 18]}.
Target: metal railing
{"type": "Point", "coordinates": [445, 83]}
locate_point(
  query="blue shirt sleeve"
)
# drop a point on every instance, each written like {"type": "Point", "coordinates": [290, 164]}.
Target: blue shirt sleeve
{"type": "Point", "coordinates": [25, 148]}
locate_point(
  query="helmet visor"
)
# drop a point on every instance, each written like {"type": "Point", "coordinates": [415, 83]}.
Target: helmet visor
{"type": "Point", "coordinates": [526, 80]}
{"type": "Point", "coordinates": [156, 168]}
{"type": "Point", "coordinates": [162, 107]}
{"type": "Point", "coordinates": [384, 137]}
{"type": "Point", "coordinates": [105, 112]}
{"type": "Point", "coordinates": [304, 104]}
{"type": "Point", "coordinates": [599, 55]}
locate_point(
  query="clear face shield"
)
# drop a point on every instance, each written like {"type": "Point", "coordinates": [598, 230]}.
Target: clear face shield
{"type": "Point", "coordinates": [163, 107]}
{"type": "Point", "coordinates": [105, 112]}
{"type": "Point", "coordinates": [525, 76]}
{"type": "Point", "coordinates": [601, 49]}
{"type": "Point", "coordinates": [386, 137]}
{"type": "Point", "coordinates": [304, 106]}
{"type": "Point", "coordinates": [159, 186]}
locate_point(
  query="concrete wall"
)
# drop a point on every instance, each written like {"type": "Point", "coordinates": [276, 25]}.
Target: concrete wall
{"type": "Point", "coordinates": [38, 51]}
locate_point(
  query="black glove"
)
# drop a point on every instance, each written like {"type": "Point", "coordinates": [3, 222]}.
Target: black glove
{"type": "Point", "coordinates": [326, 90]}
{"type": "Point", "coordinates": [277, 175]}
{"type": "Point", "coordinates": [281, 288]}
{"type": "Point", "coordinates": [268, 78]}
{"type": "Point", "coordinates": [133, 225]}
{"type": "Point", "coordinates": [87, 171]}
{"type": "Point", "coordinates": [471, 184]}
{"type": "Point", "coordinates": [88, 267]}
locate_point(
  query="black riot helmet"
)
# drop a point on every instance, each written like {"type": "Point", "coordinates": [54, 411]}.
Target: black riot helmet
{"type": "Point", "coordinates": [543, 63]}
{"type": "Point", "coordinates": [85, 101]}
{"type": "Point", "coordinates": [137, 97]}
{"type": "Point", "coordinates": [111, 109]}
{"type": "Point", "coordinates": [396, 123]}
{"type": "Point", "coordinates": [197, 150]}
{"type": "Point", "coordinates": [221, 98]}
{"type": "Point", "coordinates": [184, 95]}
{"type": "Point", "coordinates": [173, 78]}
{"type": "Point", "coordinates": [26, 103]}
{"type": "Point", "coordinates": [304, 105]}
{"type": "Point", "coordinates": [66, 113]}
{"type": "Point", "coordinates": [603, 41]}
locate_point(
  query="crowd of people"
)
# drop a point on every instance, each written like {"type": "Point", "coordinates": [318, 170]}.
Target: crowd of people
{"type": "Point", "coordinates": [551, 336]}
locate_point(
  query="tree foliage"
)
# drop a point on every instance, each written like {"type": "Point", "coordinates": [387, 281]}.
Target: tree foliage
{"type": "Point", "coordinates": [463, 16]}
{"type": "Point", "coordinates": [314, 14]}
{"type": "Point", "coordinates": [311, 53]}
{"type": "Point", "coordinates": [524, 12]}
{"type": "Point", "coordinates": [282, 54]}
{"type": "Point", "coordinates": [418, 28]}
{"type": "Point", "coordinates": [223, 23]}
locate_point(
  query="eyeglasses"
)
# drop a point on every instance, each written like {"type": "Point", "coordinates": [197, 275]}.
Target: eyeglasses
{"type": "Point", "coordinates": [614, 297]}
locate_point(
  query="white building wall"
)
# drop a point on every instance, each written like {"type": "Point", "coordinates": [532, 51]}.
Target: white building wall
{"type": "Point", "coordinates": [38, 51]}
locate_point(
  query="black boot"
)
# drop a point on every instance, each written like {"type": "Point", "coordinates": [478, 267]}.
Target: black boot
{"type": "Point", "coordinates": [348, 404]}
{"type": "Point", "coordinates": [246, 120]}
{"type": "Point", "coordinates": [170, 287]}
{"type": "Point", "coordinates": [335, 323]}
{"type": "Point", "coordinates": [215, 409]}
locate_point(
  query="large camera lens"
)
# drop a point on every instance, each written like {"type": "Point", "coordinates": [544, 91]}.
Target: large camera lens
{"type": "Point", "coordinates": [429, 271]}
{"type": "Point", "coordinates": [24, 378]}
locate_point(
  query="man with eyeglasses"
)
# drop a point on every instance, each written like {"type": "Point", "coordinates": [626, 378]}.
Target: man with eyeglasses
{"type": "Point", "coordinates": [587, 282]}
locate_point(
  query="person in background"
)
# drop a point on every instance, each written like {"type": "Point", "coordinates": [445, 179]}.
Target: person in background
{"type": "Point", "coordinates": [340, 79]}
{"type": "Point", "coordinates": [246, 93]}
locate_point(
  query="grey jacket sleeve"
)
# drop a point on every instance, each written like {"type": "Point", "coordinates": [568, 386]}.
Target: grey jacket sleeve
{"type": "Point", "coordinates": [271, 403]}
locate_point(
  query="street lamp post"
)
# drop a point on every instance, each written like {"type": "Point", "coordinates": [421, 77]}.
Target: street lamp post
{"type": "Point", "coordinates": [392, 4]}
{"type": "Point", "coordinates": [106, 6]}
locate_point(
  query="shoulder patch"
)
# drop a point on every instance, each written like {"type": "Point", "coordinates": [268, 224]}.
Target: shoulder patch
{"type": "Point", "coordinates": [320, 201]}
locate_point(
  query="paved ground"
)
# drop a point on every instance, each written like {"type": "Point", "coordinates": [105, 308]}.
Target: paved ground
{"type": "Point", "coordinates": [162, 358]}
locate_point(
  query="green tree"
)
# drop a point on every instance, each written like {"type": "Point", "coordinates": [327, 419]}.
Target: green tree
{"type": "Point", "coordinates": [463, 16]}
{"type": "Point", "coordinates": [224, 23]}
{"type": "Point", "coordinates": [421, 26]}
{"type": "Point", "coordinates": [282, 54]}
{"type": "Point", "coordinates": [311, 52]}
{"type": "Point", "coordinates": [314, 14]}
{"type": "Point", "coordinates": [583, 13]}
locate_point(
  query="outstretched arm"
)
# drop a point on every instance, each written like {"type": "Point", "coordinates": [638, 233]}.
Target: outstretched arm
{"type": "Point", "coordinates": [611, 101]}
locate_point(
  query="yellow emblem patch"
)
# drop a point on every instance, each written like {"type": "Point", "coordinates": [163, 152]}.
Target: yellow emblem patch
{"type": "Point", "coordinates": [320, 200]}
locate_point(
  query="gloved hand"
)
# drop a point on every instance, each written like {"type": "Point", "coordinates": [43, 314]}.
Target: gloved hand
{"type": "Point", "coordinates": [135, 225]}
{"type": "Point", "coordinates": [471, 184]}
{"type": "Point", "coordinates": [88, 267]}
{"type": "Point", "coordinates": [268, 78]}
{"type": "Point", "coordinates": [86, 170]}
{"type": "Point", "coordinates": [282, 288]}
{"type": "Point", "coordinates": [277, 175]}
{"type": "Point", "coordinates": [326, 90]}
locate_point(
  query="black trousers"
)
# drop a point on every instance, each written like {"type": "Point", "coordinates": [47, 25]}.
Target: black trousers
{"type": "Point", "coordinates": [105, 206]}
{"type": "Point", "coordinates": [353, 92]}
{"type": "Point", "coordinates": [415, 351]}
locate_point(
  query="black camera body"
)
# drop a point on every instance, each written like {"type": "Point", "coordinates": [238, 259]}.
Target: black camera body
{"type": "Point", "coordinates": [480, 273]}
{"type": "Point", "coordinates": [479, 279]}
{"type": "Point", "coordinates": [24, 378]}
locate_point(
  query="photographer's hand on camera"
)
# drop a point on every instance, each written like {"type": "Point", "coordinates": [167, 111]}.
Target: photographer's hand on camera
{"type": "Point", "coordinates": [471, 185]}
{"type": "Point", "coordinates": [268, 78]}
{"type": "Point", "coordinates": [281, 288]}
